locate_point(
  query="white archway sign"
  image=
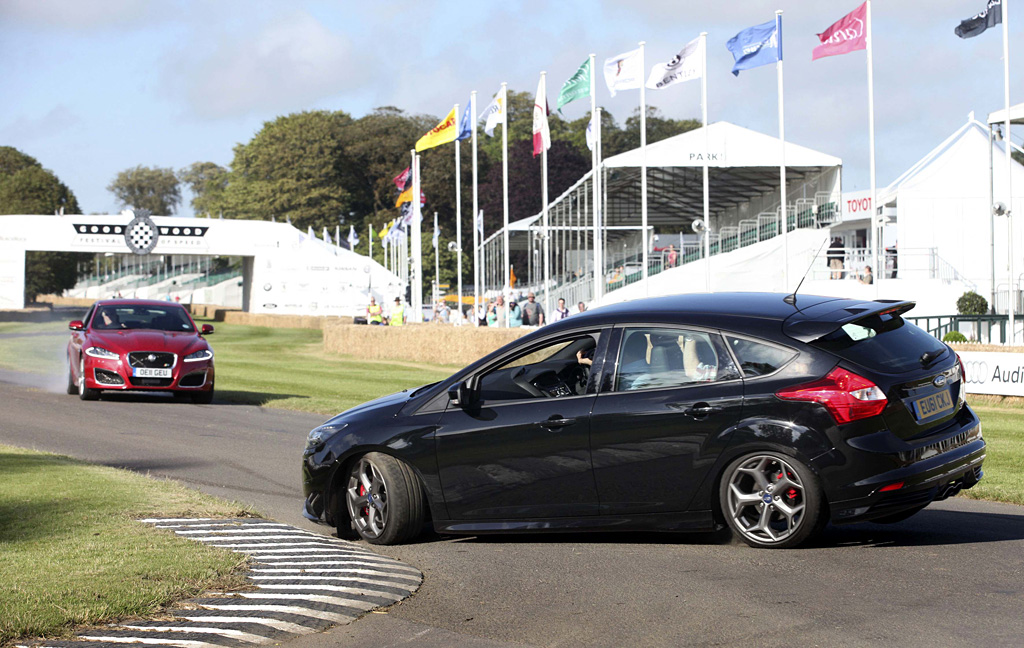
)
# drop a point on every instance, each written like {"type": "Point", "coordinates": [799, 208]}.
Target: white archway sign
{"type": "Point", "coordinates": [285, 271]}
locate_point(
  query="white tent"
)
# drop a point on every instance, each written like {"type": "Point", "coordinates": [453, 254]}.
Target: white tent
{"type": "Point", "coordinates": [943, 204]}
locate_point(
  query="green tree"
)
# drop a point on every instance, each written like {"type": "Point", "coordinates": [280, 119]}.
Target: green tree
{"type": "Point", "coordinates": [207, 182]}
{"type": "Point", "coordinates": [295, 167]}
{"type": "Point", "coordinates": [155, 189]}
{"type": "Point", "coordinates": [27, 188]}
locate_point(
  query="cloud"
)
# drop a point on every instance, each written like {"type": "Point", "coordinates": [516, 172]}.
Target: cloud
{"type": "Point", "coordinates": [27, 129]}
{"type": "Point", "coordinates": [284, 66]}
{"type": "Point", "coordinates": [81, 15]}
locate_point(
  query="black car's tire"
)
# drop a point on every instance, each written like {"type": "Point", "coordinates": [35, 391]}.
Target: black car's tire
{"type": "Point", "coordinates": [203, 397]}
{"type": "Point", "coordinates": [384, 499]}
{"type": "Point", "coordinates": [84, 392]}
{"type": "Point", "coordinates": [793, 512]}
{"type": "Point", "coordinates": [72, 385]}
{"type": "Point", "coordinates": [899, 517]}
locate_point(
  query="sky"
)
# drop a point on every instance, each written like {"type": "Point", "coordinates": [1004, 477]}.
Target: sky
{"type": "Point", "coordinates": [94, 87]}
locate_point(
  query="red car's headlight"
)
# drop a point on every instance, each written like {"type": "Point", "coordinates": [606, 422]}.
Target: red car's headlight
{"type": "Point", "coordinates": [100, 352]}
{"type": "Point", "coordinates": [203, 354]}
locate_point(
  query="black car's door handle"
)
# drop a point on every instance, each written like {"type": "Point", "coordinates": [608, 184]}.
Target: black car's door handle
{"type": "Point", "coordinates": [553, 423]}
{"type": "Point", "coordinates": [700, 410]}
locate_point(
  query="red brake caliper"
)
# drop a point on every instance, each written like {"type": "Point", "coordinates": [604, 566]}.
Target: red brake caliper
{"type": "Point", "coordinates": [362, 493]}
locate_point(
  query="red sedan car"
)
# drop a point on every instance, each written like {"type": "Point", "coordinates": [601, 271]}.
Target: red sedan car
{"type": "Point", "coordinates": [142, 345]}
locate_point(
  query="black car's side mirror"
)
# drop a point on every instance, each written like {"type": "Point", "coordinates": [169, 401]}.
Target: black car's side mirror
{"type": "Point", "coordinates": [207, 329]}
{"type": "Point", "coordinates": [462, 394]}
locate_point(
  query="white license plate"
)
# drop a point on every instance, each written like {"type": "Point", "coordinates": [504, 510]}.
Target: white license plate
{"type": "Point", "coordinates": [143, 372]}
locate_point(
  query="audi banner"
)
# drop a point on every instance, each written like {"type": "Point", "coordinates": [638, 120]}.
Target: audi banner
{"type": "Point", "coordinates": [999, 374]}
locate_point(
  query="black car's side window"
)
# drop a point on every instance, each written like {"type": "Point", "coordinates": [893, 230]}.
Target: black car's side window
{"type": "Point", "coordinates": [552, 370]}
{"type": "Point", "coordinates": [757, 358]}
{"type": "Point", "coordinates": [656, 358]}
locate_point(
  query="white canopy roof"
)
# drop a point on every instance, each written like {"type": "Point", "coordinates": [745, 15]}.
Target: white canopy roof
{"type": "Point", "coordinates": [1016, 115]}
{"type": "Point", "coordinates": [729, 145]}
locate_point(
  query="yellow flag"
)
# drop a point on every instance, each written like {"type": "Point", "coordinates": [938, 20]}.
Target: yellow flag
{"type": "Point", "coordinates": [443, 133]}
{"type": "Point", "coordinates": [405, 196]}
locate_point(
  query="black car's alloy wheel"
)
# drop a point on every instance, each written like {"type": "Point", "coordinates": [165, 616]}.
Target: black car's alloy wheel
{"type": "Point", "coordinates": [384, 498]}
{"type": "Point", "coordinates": [771, 500]}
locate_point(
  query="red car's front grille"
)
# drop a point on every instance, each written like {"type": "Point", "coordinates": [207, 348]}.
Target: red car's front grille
{"type": "Point", "coordinates": [151, 359]}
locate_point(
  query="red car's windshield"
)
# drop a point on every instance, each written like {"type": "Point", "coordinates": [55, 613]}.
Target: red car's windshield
{"type": "Point", "coordinates": [130, 316]}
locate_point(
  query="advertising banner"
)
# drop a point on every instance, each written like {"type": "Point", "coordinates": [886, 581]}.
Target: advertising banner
{"type": "Point", "coordinates": [996, 373]}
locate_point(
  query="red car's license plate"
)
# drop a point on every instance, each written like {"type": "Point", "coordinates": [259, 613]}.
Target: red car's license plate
{"type": "Point", "coordinates": [143, 372]}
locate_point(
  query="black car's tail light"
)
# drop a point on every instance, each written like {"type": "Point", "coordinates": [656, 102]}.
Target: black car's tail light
{"type": "Point", "coordinates": [847, 396]}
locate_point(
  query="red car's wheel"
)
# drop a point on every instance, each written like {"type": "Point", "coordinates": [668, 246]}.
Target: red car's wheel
{"type": "Point", "coordinates": [84, 392]}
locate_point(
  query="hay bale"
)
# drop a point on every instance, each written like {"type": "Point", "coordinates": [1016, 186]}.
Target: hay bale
{"type": "Point", "coordinates": [426, 343]}
{"type": "Point", "coordinates": [276, 321]}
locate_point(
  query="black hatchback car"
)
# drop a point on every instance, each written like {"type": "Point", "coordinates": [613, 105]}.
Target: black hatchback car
{"type": "Point", "coordinates": [667, 414]}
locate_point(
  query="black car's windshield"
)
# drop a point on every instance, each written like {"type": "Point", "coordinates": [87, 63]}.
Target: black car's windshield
{"type": "Point", "coordinates": [134, 317]}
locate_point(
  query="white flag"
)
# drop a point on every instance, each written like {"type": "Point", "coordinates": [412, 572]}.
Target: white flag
{"type": "Point", "coordinates": [624, 72]}
{"type": "Point", "coordinates": [437, 232]}
{"type": "Point", "coordinates": [327, 237]}
{"type": "Point", "coordinates": [541, 132]}
{"type": "Point", "coordinates": [590, 133]}
{"type": "Point", "coordinates": [353, 238]}
{"type": "Point", "coordinates": [480, 223]}
{"type": "Point", "coordinates": [494, 113]}
{"type": "Point", "coordinates": [685, 66]}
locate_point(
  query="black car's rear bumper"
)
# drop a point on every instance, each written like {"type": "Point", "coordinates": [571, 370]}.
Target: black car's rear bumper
{"type": "Point", "coordinates": [923, 482]}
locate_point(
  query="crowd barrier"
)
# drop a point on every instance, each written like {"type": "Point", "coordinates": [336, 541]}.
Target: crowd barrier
{"type": "Point", "coordinates": [426, 343]}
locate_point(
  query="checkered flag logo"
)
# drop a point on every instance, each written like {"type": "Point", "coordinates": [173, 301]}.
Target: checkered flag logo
{"type": "Point", "coordinates": [141, 234]}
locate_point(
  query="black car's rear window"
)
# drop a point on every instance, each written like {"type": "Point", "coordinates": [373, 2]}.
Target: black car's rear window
{"type": "Point", "coordinates": [884, 343]}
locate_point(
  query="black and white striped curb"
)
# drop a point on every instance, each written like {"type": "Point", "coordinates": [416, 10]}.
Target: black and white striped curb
{"type": "Point", "coordinates": [305, 583]}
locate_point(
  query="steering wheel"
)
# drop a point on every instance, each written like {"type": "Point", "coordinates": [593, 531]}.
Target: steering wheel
{"type": "Point", "coordinates": [520, 379]}
{"type": "Point", "coordinates": [579, 376]}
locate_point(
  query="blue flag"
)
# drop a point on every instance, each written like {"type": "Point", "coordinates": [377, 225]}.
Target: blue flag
{"type": "Point", "coordinates": [756, 46]}
{"type": "Point", "coordinates": [465, 124]}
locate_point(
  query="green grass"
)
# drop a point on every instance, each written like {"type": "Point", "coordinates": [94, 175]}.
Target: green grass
{"type": "Point", "coordinates": [72, 553]}
{"type": "Point", "coordinates": [1004, 463]}
{"type": "Point", "coordinates": [288, 368]}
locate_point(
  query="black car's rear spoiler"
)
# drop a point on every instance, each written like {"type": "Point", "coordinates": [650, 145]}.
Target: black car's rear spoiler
{"type": "Point", "coordinates": [820, 320]}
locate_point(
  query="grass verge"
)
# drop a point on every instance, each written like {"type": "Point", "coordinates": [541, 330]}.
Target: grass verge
{"type": "Point", "coordinates": [1004, 464]}
{"type": "Point", "coordinates": [72, 552]}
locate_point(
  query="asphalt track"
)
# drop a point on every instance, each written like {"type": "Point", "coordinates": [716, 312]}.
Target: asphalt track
{"type": "Point", "coordinates": [953, 574]}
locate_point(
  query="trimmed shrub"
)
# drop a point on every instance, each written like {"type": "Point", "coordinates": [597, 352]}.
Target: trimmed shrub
{"type": "Point", "coordinates": [971, 303]}
{"type": "Point", "coordinates": [954, 336]}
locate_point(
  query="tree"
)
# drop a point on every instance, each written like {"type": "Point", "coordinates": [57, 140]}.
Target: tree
{"type": "Point", "coordinates": [295, 167]}
{"type": "Point", "coordinates": [207, 182]}
{"type": "Point", "coordinates": [155, 189]}
{"type": "Point", "coordinates": [27, 188]}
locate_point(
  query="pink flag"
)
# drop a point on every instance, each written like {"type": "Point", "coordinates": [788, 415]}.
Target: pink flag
{"type": "Point", "coordinates": [847, 35]}
{"type": "Point", "coordinates": [541, 133]}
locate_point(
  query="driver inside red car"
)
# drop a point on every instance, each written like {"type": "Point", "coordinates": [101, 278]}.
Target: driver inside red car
{"type": "Point", "coordinates": [108, 319]}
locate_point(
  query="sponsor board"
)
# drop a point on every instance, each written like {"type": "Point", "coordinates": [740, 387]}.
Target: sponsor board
{"type": "Point", "coordinates": [995, 373]}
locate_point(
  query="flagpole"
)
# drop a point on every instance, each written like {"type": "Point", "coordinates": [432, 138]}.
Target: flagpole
{"type": "Point", "coordinates": [476, 261]}
{"type": "Point", "coordinates": [370, 239]}
{"type": "Point", "coordinates": [707, 149]}
{"type": "Point", "coordinates": [595, 163]}
{"type": "Point", "coordinates": [1009, 166]}
{"type": "Point", "coordinates": [458, 211]}
{"type": "Point", "coordinates": [417, 243]}
{"type": "Point", "coordinates": [877, 272]}
{"type": "Point", "coordinates": [504, 195]}
{"type": "Point", "coordinates": [782, 162]}
{"type": "Point", "coordinates": [544, 203]}
{"type": "Point", "coordinates": [437, 255]}
{"type": "Point", "coordinates": [643, 171]}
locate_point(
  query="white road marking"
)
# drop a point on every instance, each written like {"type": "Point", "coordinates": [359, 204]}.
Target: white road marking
{"type": "Point", "coordinates": [325, 560]}
{"type": "Point", "coordinates": [361, 603]}
{"type": "Point", "coordinates": [227, 632]}
{"type": "Point", "coordinates": [367, 572]}
{"type": "Point", "coordinates": [183, 643]}
{"type": "Point", "coordinates": [285, 626]}
{"type": "Point", "coordinates": [341, 579]}
{"type": "Point", "coordinates": [330, 588]}
{"type": "Point", "coordinates": [290, 609]}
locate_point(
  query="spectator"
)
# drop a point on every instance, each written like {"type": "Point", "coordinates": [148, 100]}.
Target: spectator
{"type": "Point", "coordinates": [481, 314]}
{"type": "Point", "coordinates": [500, 312]}
{"type": "Point", "coordinates": [866, 277]}
{"type": "Point", "coordinates": [533, 313]}
{"type": "Point", "coordinates": [397, 317]}
{"type": "Point", "coordinates": [582, 307]}
{"type": "Point", "coordinates": [492, 315]}
{"type": "Point", "coordinates": [673, 257]}
{"type": "Point", "coordinates": [515, 315]}
{"type": "Point", "coordinates": [442, 314]}
{"type": "Point", "coordinates": [561, 312]}
{"type": "Point", "coordinates": [835, 255]}
{"type": "Point", "coordinates": [374, 313]}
